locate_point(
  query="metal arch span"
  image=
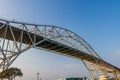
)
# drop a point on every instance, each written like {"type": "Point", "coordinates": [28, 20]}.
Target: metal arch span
{"type": "Point", "coordinates": [17, 37]}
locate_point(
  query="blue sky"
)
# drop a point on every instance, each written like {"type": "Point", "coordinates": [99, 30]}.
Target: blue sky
{"type": "Point", "coordinates": [97, 21]}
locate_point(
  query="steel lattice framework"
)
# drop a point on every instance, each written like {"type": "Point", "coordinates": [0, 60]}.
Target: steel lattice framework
{"type": "Point", "coordinates": [17, 37]}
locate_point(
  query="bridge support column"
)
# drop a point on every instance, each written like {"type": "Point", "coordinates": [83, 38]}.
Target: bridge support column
{"type": "Point", "coordinates": [103, 78]}
{"type": "Point", "coordinates": [115, 75]}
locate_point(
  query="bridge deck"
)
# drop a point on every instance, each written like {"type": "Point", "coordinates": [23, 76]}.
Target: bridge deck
{"type": "Point", "coordinates": [56, 47]}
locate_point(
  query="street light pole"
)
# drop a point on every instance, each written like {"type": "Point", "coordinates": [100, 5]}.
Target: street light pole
{"type": "Point", "coordinates": [38, 76]}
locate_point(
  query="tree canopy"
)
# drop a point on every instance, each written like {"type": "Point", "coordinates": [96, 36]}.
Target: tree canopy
{"type": "Point", "coordinates": [11, 73]}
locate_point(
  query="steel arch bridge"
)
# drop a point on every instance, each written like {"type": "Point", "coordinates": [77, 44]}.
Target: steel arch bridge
{"type": "Point", "coordinates": [17, 37]}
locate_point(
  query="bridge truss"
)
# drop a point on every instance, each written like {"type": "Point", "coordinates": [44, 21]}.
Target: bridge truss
{"type": "Point", "coordinates": [17, 37]}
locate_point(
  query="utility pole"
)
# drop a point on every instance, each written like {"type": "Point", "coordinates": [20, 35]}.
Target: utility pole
{"type": "Point", "coordinates": [38, 76]}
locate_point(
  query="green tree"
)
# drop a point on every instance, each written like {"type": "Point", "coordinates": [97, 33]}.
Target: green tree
{"type": "Point", "coordinates": [11, 73]}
